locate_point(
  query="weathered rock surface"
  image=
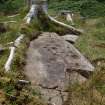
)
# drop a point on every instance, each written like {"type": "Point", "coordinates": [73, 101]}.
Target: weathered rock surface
{"type": "Point", "coordinates": [50, 61]}
{"type": "Point", "coordinates": [70, 38]}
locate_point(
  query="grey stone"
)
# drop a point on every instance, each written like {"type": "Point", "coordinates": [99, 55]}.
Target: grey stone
{"type": "Point", "coordinates": [49, 58]}
{"type": "Point", "coordinates": [70, 38]}
{"type": "Point", "coordinates": [50, 62]}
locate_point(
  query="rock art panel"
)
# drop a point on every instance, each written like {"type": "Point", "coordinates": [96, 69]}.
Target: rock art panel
{"type": "Point", "coordinates": [50, 62]}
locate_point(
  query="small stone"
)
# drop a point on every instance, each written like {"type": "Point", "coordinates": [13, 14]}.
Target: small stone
{"type": "Point", "coordinates": [23, 82]}
{"type": "Point", "coordinates": [70, 38]}
{"type": "Point", "coordinates": [12, 98]}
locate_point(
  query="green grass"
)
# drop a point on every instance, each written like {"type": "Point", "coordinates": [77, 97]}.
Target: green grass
{"type": "Point", "coordinates": [87, 8]}
{"type": "Point", "coordinates": [92, 45]}
{"type": "Point", "coordinates": [93, 38]}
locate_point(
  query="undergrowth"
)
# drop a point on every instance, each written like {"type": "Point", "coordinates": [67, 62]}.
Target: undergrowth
{"type": "Point", "coordinates": [92, 45]}
{"type": "Point", "coordinates": [87, 8]}
{"type": "Point", "coordinates": [11, 92]}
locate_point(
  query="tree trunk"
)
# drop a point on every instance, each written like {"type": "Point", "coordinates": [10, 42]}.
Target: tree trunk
{"type": "Point", "coordinates": [40, 6]}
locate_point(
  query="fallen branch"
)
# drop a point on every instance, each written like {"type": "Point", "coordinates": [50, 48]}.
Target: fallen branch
{"type": "Point", "coordinates": [12, 52]}
{"type": "Point", "coordinates": [65, 25]}
{"type": "Point", "coordinates": [18, 40]}
{"type": "Point", "coordinates": [13, 15]}
{"type": "Point", "coordinates": [6, 22]}
{"type": "Point", "coordinates": [31, 14]}
{"type": "Point", "coordinates": [72, 29]}
{"type": "Point", "coordinates": [23, 82]}
{"type": "Point", "coordinates": [10, 59]}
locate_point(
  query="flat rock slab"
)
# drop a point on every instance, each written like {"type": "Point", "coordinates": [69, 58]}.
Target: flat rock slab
{"type": "Point", "coordinates": [51, 64]}
{"type": "Point", "coordinates": [49, 58]}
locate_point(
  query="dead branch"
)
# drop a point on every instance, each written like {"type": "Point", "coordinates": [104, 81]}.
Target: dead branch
{"type": "Point", "coordinates": [72, 29]}
{"type": "Point", "coordinates": [12, 53]}
{"type": "Point", "coordinates": [31, 14]}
